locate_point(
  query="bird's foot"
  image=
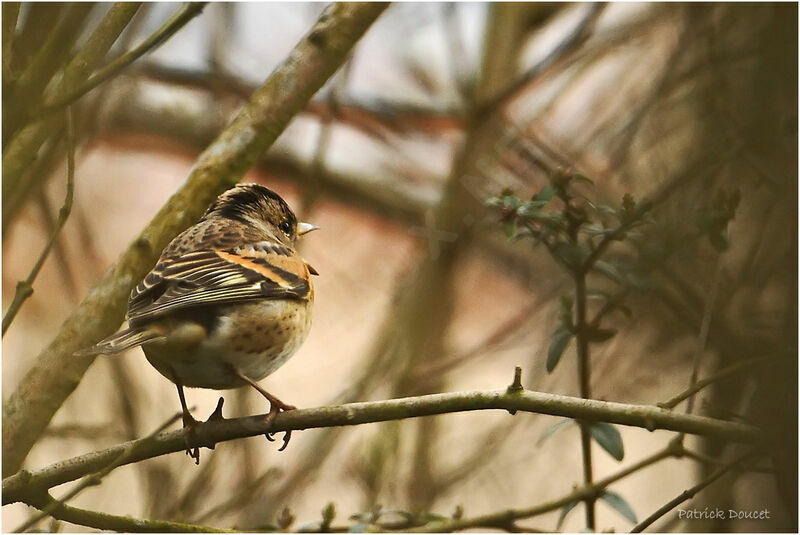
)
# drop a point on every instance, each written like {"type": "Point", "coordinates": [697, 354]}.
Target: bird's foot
{"type": "Point", "coordinates": [190, 437]}
{"type": "Point", "coordinates": [275, 407]}
{"type": "Point", "coordinates": [193, 444]}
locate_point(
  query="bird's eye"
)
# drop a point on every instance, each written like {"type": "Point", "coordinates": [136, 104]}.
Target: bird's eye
{"type": "Point", "coordinates": [285, 227]}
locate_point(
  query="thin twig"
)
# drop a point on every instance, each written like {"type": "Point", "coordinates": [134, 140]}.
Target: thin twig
{"type": "Point", "coordinates": [178, 20]}
{"type": "Point", "coordinates": [721, 374]}
{"type": "Point", "coordinates": [25, 288]}
{"type": "Point", "coordinates": [584, 379]}
{"type": "Point", "coordinates": [10, 15]}
{"type": "Point", "coordinates": [17, 486]}
{"type": "Point", "coordinates": [122, 524]}
{"type": "Point", "coordinates": [97, 477]}
{"type": "Point", "coordinates": [503, 518]}
{"type": "Point", "coordinates": [572, 40]}
{"type": "Point", "coordinates": [688, 494]}
{"type": "Point", "coordinates": [702, 337]}
{"type": "Point", "coordinates": [23, 148]}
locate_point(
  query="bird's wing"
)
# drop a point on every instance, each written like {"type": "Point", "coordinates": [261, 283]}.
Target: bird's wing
{"type": "Point", "coordinates": [264, 270]}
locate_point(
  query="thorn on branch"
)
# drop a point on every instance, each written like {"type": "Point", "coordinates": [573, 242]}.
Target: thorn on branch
{"type": "Point", "coordinates": [217, 414]}
{"type": "Point", "coordinates": [515, 386]}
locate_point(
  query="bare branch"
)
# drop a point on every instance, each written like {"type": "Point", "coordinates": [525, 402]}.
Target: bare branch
{"type": "Point", "coordinates": [122, 524]}
{"type": "Point", "coordinates": [697, 386]}
{"type": "Point", "coordinates": [177, 21]}
{"type": "Point", "coordinates": [16, 487]}
{"type": "Point", "coordinates": [571, 41]}
{"type": "Point", "coordinates": [25, 288]}
{"type": "Point", "coordinates": [509, 516]}
{"type": "Point", "coordinates": [689, 493]}
{"type": "Point", "coordinates": [95, 478]}
{"type": "Point", "coordinates": [22, 149]}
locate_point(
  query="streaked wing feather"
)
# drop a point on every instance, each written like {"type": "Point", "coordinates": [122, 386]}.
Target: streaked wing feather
{"type": "Point", "coordinates": [259, 271]}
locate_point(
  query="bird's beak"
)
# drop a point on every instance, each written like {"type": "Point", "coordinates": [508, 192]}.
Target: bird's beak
{"type": "Point", "coordinates": [305, 228]}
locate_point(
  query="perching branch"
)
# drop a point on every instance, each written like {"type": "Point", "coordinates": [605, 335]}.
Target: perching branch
{"type": "Point", "coordinates": [177, 21]}
{"type": "Point", "coordinates": [25, 288]}
{"type": "Point", "coordinates": [16, 487]}
{"type": "Point", "coordinates": [57, 372]}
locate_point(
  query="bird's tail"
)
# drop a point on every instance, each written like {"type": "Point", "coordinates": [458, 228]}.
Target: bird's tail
{"type": "Point", "coordinates": [120, 341]}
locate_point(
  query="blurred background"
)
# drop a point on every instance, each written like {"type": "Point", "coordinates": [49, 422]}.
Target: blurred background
{"type": "Point", "coordinates": [419, 290]}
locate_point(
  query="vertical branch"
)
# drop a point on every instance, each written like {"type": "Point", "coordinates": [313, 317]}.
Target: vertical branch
{"type": "Point", "coordinates": [702, 337]}
{"type": "Point", "coordinates": [10, 15]}
{"type": "Point", "coordinates": [580, 271]}
{"type": "Point", "coordinates": [25, 288]}
{"type": "Point", "coordinates": [24, 146]}
{"type": "Point", "coordinates": [584, 380]}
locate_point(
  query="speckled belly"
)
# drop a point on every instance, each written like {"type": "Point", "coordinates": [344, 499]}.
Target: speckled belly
{"type": "Point", "coordinates": [254, 338]}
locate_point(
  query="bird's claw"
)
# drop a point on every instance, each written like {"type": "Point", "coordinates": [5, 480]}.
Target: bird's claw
{"type": "Point", "coordinates": [273, 412]}
{"type": "Point", "coordinates": [190, 437]}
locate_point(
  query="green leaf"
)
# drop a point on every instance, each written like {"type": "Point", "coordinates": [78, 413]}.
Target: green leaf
{"type": "Point", "coordinates": [619, 504]}
{"type": "Point", "coordinates": [605, 209]}
{"type": "Point", "coordinates": [608, 437]}
{"type": "Point", "coordinates": [493, 202]}
{"type": "Point", "coordinates": [511, 202]}
{"type": "Point", "coordinates": [564, 512]}
{"type": "Point", "coordinates": [609, 270]}
{"type": "Point", "coordinates": [595, 229]}
{"type": "Point", "coordinates": [601, 335]}
{"type": "Point", "coordinates": [553, 429]}
{"type": "Point", "coordinates": [545, 194]}
{"type": "Point", "coordinates": [560, 341]}
{"type": "Point", "coordinates": [582, 178]}
{"type": "Point", "coordinates": [509, 228]}
{"type": "Point", "coordinates": [597, 294]}
{"type": "Point", "coordinates": [530, 210]}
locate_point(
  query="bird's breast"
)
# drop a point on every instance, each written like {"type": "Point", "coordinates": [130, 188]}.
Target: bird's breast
{"type": "Point", "coordinates": [255, 338]}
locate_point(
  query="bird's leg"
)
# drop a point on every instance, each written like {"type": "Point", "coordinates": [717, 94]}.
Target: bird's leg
{"type": "Point", "coordinates": [275, 406]}
{"type": "Point", "coordinates": [189, 423]}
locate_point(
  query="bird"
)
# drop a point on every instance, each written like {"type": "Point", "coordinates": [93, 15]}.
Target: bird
{"type": "Point", "coordinates": [228, 302]}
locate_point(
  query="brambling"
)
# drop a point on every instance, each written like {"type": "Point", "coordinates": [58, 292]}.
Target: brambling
{"type": "Point", "coordinates": [228, 302]}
